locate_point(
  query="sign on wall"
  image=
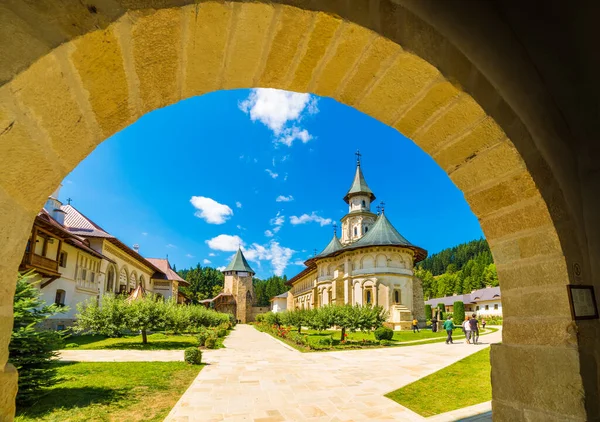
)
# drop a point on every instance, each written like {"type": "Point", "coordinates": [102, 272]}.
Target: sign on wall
{"type": "Point", "coordinates": [583, 302]}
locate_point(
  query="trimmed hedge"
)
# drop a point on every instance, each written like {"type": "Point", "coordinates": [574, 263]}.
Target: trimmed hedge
{"type": "Point", "coordinates": [384, 333]}
{"type": "Point", "coordinates": [459, 312]}
{"type": "Point", "coordinates": [193, 356]}
{"type": "Point", "coordinates": [428, 312]}
{"type": "Point", "coordinates": [442, 308]}
{"type": "Point", "coordinates": [210, 343]}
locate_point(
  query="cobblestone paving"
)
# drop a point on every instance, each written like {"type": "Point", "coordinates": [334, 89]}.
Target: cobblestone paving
{"type": "Point", "coordinates": [257, 378]}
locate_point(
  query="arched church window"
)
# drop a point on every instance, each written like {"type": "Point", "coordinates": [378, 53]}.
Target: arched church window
{"type": "Point", "coordinates": [368, 298]}
{"type": "Point", "coordinates": [397, 296]}
{"type": "Point", "coordinates": [110, 279]}
{"type": "Point", "coordinates": [364, 204]}
{"type": "Point", "coordinates": [60, 297]}
{"type": "Point", "coordinates": [355, 231]}
{"type": "Point", "coordinates": [366, 229]}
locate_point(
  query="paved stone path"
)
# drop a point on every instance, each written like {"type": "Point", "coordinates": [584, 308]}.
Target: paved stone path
{"type": "Point", "coordinates": [258, 378]}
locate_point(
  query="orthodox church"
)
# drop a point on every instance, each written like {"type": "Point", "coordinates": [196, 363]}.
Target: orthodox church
{"type": "Point", "coordinates": [371, 263]}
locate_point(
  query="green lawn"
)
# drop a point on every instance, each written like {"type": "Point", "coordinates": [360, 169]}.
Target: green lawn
{"type": "Point", "coordinates": [156, 341]}
{"type": "Point", "coordinates": [112, 391]}
{"type": "Point", "coordinates": [464, 383]}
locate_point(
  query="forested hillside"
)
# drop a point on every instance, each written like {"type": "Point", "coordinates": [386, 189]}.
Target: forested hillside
{"type": "Point", "coordinates": [460, 269]}
{"type": "Point", "coordinates": [207, 282]}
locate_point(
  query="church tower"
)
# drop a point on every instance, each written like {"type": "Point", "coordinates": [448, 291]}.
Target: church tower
{"type": "Point", "coordinates": [359, 219]}
{"type": "Point", "coordinates": [238, 283]}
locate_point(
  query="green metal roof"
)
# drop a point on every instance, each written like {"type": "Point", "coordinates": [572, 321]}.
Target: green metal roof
{"type": "Point", "coordinates": [359, 186]}
{"type": "Point", "coordinates": [384, 234]}
{"type": "Point", "coordinates": [333, 246]}
{"type": "Point", "coordinates": [239, 263]}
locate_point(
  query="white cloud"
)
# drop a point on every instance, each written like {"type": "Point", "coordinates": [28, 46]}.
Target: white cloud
{"type": "Point", "coordinates": [212, 254]}
{"type": "Point", "coordinates": [189, 255]}
{"type": "Point", "coordinates": [313, 217]}
{"type": "Point", "coordinates": [289, 135]}
{"type": "Point", "coordinates": [221, 268]}
{"type": "Point", "coordinates": [272, 173]}
{"type": "Point", "coordinates": [239, 227]}
{"type": "Point", "coordinates": [206, 261]}
{"type": "Point", "coordinates": [279, 256]}
{"type": "Point", "coordinates": [280, 111]}
{"type": "Point", "coordinates": [171, 246]}
{"type": "Point", "coordinates": [269, 233]}
{"type": "Point", "coordinates": [210, 210]}
{"type": "Point", "coordinates": [282, 198]}
{"type": "Point", "coordinates": [298, 262]}
{"type": "Point", "coordinates": [144, 234]}
{"type": "Point", "coordinates": [225, 242]}
{"type": "Point", "coordinates": [238, 204]}
{"type": "Point", "coordinates": [277, 222]}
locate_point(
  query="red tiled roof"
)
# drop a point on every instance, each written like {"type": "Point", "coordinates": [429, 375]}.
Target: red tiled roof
{"type": "Point", "coordinates": [164, 266]}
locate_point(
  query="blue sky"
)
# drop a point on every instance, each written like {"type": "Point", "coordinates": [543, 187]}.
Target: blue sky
{"type": "Point", "coordinates": [262, 168]}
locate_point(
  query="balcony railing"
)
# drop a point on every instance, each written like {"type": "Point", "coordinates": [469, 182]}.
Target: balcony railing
{"type": "Point", "coordinates": [40, 262]}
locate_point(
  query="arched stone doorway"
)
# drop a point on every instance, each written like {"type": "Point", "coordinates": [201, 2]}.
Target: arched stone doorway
{"type": "Point", "coordinates": [461, 85]}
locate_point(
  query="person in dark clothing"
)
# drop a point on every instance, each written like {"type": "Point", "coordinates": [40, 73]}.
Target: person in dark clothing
{"type": "Point", "coordinates": [449, 326]}
{"type": "Point", "coordinates": [434, 322]}
{"type": "Point", "coordinates": [474, 328]}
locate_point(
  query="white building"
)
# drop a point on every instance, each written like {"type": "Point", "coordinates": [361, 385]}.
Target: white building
{"type": "Point", "coordinates": [483, 302]}
{"type": "Point", "coordinates": [372, 264]}
{"type": "Point", "coordinates": [75, 260]}
{"type": "Point", "coordinates": [279, 303]}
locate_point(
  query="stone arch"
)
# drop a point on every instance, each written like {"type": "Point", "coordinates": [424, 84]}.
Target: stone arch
{"type": "Point", "coordinates": [430, 75]}
{"type": "Point", "coordinates": [111, 279]}
{"type": "Point", "coordinates": [381, 261]}
{"type": "Point", "coordinates": [123, 281]}
{"type": "Point", "coordinates": [367, 261]}
{"type": "Point", "coordinates": [132, 282]}
{"type": "Point", "coordinates": [143, 281]}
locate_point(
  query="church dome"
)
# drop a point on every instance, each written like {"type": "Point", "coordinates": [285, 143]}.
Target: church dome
{"type": "Point", "coordinates": [239, 263]}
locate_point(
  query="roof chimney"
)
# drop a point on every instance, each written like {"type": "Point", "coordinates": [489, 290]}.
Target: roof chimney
{"type": "Point", "coordinates": [136, 248]}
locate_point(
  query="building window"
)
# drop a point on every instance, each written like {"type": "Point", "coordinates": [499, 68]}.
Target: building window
{"type": "Point", "coordinates": [477, 308]}
{"type": "Point", "coordinates": [368, 297]}
{"type": "Point", "coordinates": [62, 261]}
{"type": "Point", "coordinates": [487, 307]}
{"type": "Point", "coordinates": [397, 296]}
{"type": "Point", "coordinates": [366, 229]}
{"type": "Point", "coordinates": [60, 297]}
{"type": "Point", "coordinates": [84, 274]}
{"type": "Point", "coordinates": [355, 231]}
{"type": "Point", "coordinates": [364, 204]}
{"type": "Point", "coordinates": [496, 307]}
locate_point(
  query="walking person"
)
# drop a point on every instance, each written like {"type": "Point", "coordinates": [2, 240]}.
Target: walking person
{"type": "Point", "coordinates": [434, 322]}
{"type": "Point", "coordinates": [415, 325]}
{"type": "Point", "coordinates": [483, 323]}
{"type": "Point", "coordinates": [467, 329]}
{"type": "Point", "coordinates": [474, 328]}
{"type": "Point", "coordinates": [449, 326]}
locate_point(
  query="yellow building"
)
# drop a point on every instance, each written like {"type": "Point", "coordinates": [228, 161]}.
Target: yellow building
{"type": "Point", "coordinates": [372, 264]}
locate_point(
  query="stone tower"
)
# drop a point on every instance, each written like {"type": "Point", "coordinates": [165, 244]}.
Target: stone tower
{"type": "Point", "coordinates": [359, 219]}
{"type": "Point", "coordinates": [238, 283]}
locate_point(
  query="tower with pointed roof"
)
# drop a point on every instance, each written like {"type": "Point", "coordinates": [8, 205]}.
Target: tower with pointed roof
{"type": "Point", "coordinates": [238, 283]}
{"type": "Point", "coordinates": [360, 218]}
{"type": "Point", "coordinates": [372, 264]}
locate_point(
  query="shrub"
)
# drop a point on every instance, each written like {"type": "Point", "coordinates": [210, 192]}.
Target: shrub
{"type": "Point", "coordinates": [384, 333]}
{"type": "Point", "coordinates": [193, 356]}
{"type": "Point", "coordinates": [32, 350]}
{"type": "Point", "coordinates": [221, 332]}
{"type": "Point", "coordinates": [210, 343]}
{"type": "Point", "coordinates": [386, 342]}
{"type": "Point", "coordinates": [71, 345]}
{"type": "Point", "coordinates": [202, 335]}
{"type": "Point", "coordinates": [299, 339]}
{"type": "Point", "coordinates": [260, 318]}
{"type": "Point", "coordinates": [459, 312]}
{"type": "Point", "coordinates": [428, 312]}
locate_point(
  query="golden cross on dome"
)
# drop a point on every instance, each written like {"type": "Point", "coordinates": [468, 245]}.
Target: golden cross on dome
{"type": "Point", "coordinates": [358, 155]}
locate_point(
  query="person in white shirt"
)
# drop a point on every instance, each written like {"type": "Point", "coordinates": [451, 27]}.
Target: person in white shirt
{"type": "Point", "coordinates": [467, 329]}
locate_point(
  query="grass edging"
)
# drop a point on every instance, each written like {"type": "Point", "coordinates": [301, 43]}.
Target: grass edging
{"type": "Point", "coordinates": [462, 384]}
